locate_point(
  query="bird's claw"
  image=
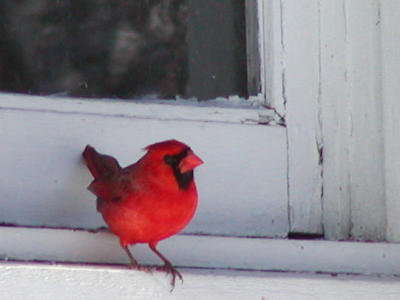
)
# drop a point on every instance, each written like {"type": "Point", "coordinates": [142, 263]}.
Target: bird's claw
{"type": "Point", "coordinates": [169, 269]}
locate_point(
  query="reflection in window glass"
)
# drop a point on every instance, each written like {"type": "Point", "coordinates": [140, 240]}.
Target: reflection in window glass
{"type": "Point", "coordinates": [122, 48]}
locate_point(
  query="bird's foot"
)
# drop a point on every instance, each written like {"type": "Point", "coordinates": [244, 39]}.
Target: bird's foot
{"type": "Point", "coordinates": [169, 269]}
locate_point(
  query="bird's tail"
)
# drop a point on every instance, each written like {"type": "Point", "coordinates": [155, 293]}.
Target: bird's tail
{"type": "Point", "coordinates": [99, 164]}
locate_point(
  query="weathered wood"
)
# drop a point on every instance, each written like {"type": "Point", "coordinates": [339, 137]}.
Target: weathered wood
{"type": "Point", "coordinates": [366, 156]}
{"type": "Point", "coordinates": [390, 44]}
{"type": "Point", "coordinates": [300, 90]}
{"type": "Point", "coordinates": [335, 117]}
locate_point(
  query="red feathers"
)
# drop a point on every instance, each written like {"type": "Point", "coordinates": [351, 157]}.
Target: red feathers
{"type": "Point", "coordinates": [149, 200]}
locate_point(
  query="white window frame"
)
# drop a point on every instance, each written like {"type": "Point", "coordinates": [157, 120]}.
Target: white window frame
{"type": "Point", "coordinates": [334, 79]}
{"type": "Point", "coordinates": [333, 69]}
{"type": "Point", "coordinates": [256, 207]}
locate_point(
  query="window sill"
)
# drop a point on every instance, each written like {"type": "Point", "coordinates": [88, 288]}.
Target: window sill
{"type": "Point", "coordinates": [42, 281]}
{"type": "Point", "coordinates": [194, 251]}
{"type": "Point", "coordinates": [58, 130]}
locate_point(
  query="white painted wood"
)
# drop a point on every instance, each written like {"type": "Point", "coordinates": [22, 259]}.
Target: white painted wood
{"type": "Point", "coordinates": [235, 110]}
{"type": "Point", "coordinates": [390, 43]}
{"type": "Point", "coordinates": [332, 65]}
{"type": "Point", "coordinates": [324, 65]}
{"type": "Point", "coordinates": [242, 185]}
{"type": "Point", "coordinates": [300, 89]}
{"type": "Point", "coordinates": [271, 53]}
{"type": "Point", "coordinates": [335, 117]}
{"type": "Point", "coordinates": [204, 251]}
{"type": "Point", "coordinates": [36, 281]}
{"type": "Point", "coordinates": [357, 161]}
{"type": "Point", "coordinates": [368, 214]}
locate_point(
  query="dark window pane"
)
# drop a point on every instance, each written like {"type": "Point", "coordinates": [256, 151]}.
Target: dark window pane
{"type": "Point", "coordinates": [124, 49]}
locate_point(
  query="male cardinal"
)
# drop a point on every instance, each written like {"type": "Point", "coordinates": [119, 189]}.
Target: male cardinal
{"type": "Point", "coordinates": [149, 200]}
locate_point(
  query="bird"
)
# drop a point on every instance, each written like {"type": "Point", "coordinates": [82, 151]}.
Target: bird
{"type": "Point", "coordinates": [149, 200]}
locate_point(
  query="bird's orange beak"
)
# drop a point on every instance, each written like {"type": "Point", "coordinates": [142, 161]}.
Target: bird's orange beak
{"type": "Point", "coordinates": [190, 162]}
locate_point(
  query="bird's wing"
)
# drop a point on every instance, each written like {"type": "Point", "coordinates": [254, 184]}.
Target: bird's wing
{"type": "Point", "coordinates": [100, 164]}
{"type": "Point", "coordinates": [115, 187]}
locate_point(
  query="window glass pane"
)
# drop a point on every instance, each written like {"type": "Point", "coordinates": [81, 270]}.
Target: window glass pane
{"type": "Point", "coordinates": [122, 48]}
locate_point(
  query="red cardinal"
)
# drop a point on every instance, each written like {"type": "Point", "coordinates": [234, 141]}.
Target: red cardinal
{"type": "Point", "coordinates": [149, 200]}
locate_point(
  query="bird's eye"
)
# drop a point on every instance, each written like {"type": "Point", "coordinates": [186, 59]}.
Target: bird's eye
{"type": "Point", "coordinates": [174, 160]}
{"type": "Point", "coordinates": [171, 160]}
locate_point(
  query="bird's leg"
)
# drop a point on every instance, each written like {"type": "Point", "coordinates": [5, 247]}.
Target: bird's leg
{"type": "Point", "coordinates": [167, 267]}
{"type": "Point", "coordinates": [134, 263]}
